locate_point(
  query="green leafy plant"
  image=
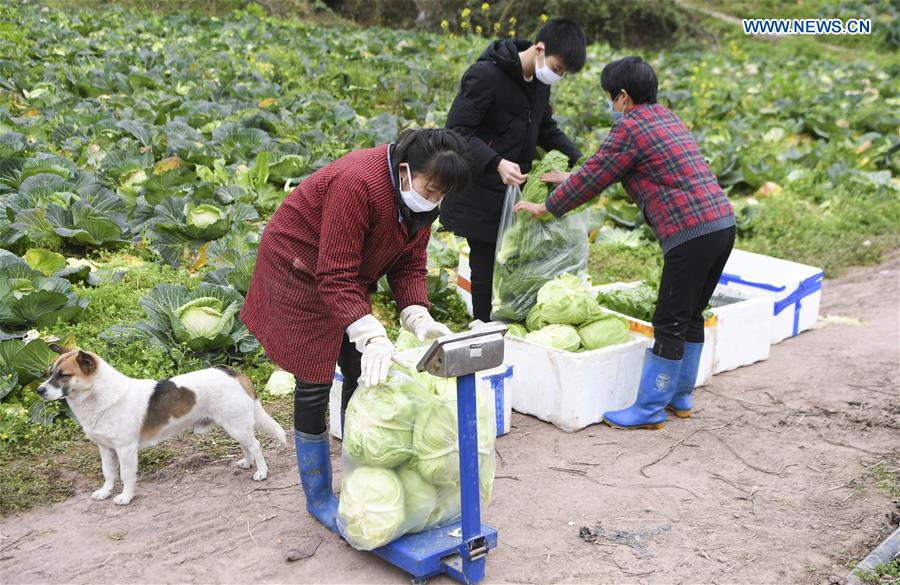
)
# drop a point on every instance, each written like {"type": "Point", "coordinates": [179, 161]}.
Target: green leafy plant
{"type": "Point", "coordinates": [30, 299]}
{"type": "Point", "coordinates": [637, 301]}
{"type": "Point", "coordinates": [203, 320]}
{"type": "Point", "coordinates": [182, 226]}
{"type": "Point", "coordinates": [22, 363]}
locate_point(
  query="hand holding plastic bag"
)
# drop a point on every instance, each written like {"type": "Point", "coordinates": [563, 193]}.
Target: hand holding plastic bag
{"type": "Point", "coordinates": [531, 253]}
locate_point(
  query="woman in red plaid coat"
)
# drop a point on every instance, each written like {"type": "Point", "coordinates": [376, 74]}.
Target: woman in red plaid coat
{"type": "Point", "coordinates": [366, 215]}
{"type": "Point", "coordinates": [664, 173]}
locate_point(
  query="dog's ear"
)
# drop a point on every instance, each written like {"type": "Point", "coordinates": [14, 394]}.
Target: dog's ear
{"type": "Point", "coordinates": [86, 362]}
{"type": "Point", "coordinates": [58, 348]}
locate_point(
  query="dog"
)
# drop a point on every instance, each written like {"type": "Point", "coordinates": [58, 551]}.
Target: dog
{"type": "Point", "coordinates": [123, 415]}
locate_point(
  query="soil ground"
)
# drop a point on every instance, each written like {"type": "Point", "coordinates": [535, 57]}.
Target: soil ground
{"type": "Point", "coordinates": [782, 476]}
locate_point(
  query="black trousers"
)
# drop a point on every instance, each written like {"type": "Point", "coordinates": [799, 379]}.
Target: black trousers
{"type": "Point", "coordinates": [690, 274]}
{"type": "Point", "coordinates": [481, 261]}
{"type": "Point", "coordinates": [311, 400]}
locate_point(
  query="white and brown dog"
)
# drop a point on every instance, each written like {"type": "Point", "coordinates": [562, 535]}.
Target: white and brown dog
{"type": "Point", "coordinates": [123, 415]}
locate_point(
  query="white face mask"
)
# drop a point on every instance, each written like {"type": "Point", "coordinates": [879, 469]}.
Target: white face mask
{"type": "Point", "coordinates": [412, 199]}
{"type": "Point", "coordinates": [544, 73]}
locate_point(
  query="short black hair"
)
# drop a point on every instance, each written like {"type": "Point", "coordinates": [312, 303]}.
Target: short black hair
{"type": "Point", "coordinates": [632, 74]}
{"type": "Point", "coordinates": [442, 155]}
{"type": "Point", "coordinates": [565, 39]}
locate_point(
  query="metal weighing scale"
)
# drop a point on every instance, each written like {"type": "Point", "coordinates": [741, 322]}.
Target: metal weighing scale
{"type": "Point", "coordinates": [458, 549]}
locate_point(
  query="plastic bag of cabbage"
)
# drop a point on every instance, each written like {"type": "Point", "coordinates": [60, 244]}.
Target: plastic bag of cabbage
{"type": "Point", "coordinates": [401, 458]}
{"type": "Point", "coordinates": [529, 254]}
{"type": "Point", "coordinates": [567, 316]}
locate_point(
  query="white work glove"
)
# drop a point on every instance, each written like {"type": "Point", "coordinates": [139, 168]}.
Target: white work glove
{"type": "Point", "coordinates": [377, 351]}
{"type": "Point", "coordinates": [417, 320]}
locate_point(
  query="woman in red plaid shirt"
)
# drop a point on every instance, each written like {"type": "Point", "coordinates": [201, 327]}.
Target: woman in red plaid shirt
{"type": "Point", "coordinates": [661, 168]}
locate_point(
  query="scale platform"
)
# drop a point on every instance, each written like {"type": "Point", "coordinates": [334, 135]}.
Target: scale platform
{"type": "Point", "coordinates": [435, 552]}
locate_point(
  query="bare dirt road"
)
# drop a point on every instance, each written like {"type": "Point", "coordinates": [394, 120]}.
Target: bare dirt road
{"type": "Point", "coordinates": [772, 481]}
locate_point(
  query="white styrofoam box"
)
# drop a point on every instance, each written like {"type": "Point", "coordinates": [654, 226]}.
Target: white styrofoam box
{"type": "Point", "coordinates": [796, 289]}
{"type": "Point", "coordinates": [645, 328]}
{"type": "Point", "coordinates": [464, 280]}
{"type": "Point", "coordinates": [496, 381]}
{"type": "Point", "coordinates": [743, 327]}
{"type": "Point", "coordinates": [573, 390]}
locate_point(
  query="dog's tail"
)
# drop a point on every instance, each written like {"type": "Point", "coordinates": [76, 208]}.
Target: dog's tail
{"type": "Point", "coordinates": [266, 424]}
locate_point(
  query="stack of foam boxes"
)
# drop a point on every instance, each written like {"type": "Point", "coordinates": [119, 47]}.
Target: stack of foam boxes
{"type": "Point", "coordinates": [760, 301]}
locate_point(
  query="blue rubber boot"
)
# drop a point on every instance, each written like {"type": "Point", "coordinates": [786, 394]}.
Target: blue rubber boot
{"type": "Point", "coordinates": [655, 391]}
{"type": "Point", "coordinates": [314, 462]}
{"type": "Point", "coordinates": [682, 401]}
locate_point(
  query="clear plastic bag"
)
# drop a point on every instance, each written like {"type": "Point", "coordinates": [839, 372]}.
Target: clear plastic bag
{"type": "Point", "coordinates": [400, 456]}
{"type": "Point", "coordinates": [530, 253]}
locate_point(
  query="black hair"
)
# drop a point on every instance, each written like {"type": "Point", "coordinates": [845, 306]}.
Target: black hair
{"type": "Point", "coordinates": [632, 74]}
{"type": "Point", "coordinates": [565, 39]}
{"type": "Point", "coordinates": [440, 154]}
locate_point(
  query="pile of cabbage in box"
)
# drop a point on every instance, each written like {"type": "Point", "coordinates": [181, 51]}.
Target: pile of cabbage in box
{"type": "Point", "coordinates": [401, 458]}
{"type": "Point", "coordinates": [567, 316]}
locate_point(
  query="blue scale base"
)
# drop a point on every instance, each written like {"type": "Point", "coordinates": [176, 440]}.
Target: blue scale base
{"type": "Point", "coordinates": [423, 555]}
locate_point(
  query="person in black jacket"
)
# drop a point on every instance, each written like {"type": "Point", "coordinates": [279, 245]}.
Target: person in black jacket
{"type": "Point", "coordinates": [503, 109]}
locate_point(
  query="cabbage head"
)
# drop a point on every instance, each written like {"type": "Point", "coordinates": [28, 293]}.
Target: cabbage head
{"type": "Point", "coordinates": [203, 320]}
{"type": "Point", "coordinates": [563, 337]}
{"type": "Point", "coordinates": [378, 424]}
{"type": "Point", "coordinates": [534, 320]}
{"type": "Point", "coordinates": [371, 512]}
{"type": "Point", "coordinates": [421, 498]}
{"type": "Point", "coordinates": [517, 330]}
{"type": "Point", "coordinates": [280, 383]}
{"type": "Point", "coordinates": [406, 340]}
{"type": "Point", "coordinates": [205, 221]}
{"type": "Point", "coordinates": [447, 508]}
{"type": "Point", "coordinates": [565, 300]}
{"type": "Point", "coordinates": [436, 442]}
{"type": "Point", "coordinates": [606, 331]}
{"type": "Point", "coordinates": [436, 437]}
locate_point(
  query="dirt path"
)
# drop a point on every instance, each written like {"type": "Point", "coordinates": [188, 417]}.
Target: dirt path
{"type": "Point", "coordinates": [768, 483]}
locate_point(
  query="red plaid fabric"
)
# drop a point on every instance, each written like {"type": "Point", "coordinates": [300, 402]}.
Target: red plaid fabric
{"type": "Point", "coordinates": [321, 256]}
{"type": "Point", "coordinates": [661, 168]}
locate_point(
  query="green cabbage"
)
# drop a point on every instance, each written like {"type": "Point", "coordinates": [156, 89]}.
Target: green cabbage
{"type": "Point", "coordinates": [487, 467]}
{"type": "Point", "coordinates": [447, 507]}
{"type": "Point", "coordinates": [517, 330]}
{"type": "Point", "coordinates": [436, 440]}
{"type": "Point", "coordinates": [563, 337]}
{"type": "Point", "coordinates": [203, 216]}
{"type": "Point", "coordinates": [203, 320]}
{"type": "Point", "coordinates": [205, 221]}
{"type": "Point", "coordinates": [605, 331]}
{"type": "Point", "coordinates": [566, 300]}
{"type": "Point", "coordinates": [406, 340]}
{"type": "Point", "coordinates": [378, 424]}
{"type": "Point", "coordinates": [535, 320]}
{"type": "Point", "coordinates": [421, 499]}
{"type": "Point", "coordinates": [436, 443]}
{"type": "Point", "coordinates": [280, 383]}
{"type": "Point", "coordinates": [371, 511]}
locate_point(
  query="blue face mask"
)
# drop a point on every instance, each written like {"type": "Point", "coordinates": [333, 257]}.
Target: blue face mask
{"type": "Point", "coordinates": [616, 116]}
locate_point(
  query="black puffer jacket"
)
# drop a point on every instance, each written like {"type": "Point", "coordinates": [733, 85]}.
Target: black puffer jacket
{"type": "Point", "coordinates": [502, 116]}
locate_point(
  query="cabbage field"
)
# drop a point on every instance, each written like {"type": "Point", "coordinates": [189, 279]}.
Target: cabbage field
{"type": "Point", "coordinates": [140, 156]}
